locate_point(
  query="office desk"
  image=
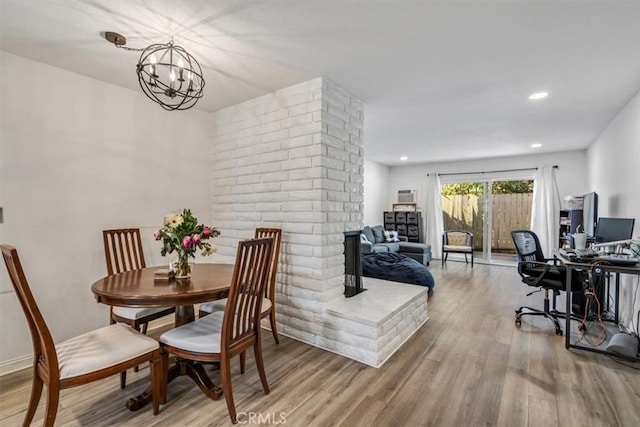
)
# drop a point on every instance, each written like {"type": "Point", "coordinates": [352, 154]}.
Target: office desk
{"type": "Point", "coordinates": [607, 269]}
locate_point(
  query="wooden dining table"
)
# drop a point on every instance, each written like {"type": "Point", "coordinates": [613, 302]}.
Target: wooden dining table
{"type": "Point", "coordinates": [141, 288]}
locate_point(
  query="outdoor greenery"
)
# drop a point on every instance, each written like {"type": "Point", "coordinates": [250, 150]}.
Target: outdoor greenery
{"type": "Point", "coordinates": [497, 187]}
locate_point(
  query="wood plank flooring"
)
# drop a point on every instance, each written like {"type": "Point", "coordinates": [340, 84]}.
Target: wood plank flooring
{"type": "Point", "coordinates": [467, 366]}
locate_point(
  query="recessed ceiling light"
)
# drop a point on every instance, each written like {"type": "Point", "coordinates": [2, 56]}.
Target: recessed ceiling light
{"type": "Point", "coordinates": [403, 158]}
{"type": "Point", "coordinates": [538, 95]}
{"type": "Point", "coordinates": [536, 145]}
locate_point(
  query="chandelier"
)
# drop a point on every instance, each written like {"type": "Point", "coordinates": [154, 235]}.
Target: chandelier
{"type": "Point", "coordinates": [167, 73]}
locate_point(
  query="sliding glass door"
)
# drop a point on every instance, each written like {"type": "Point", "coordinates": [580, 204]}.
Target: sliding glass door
{"type": "Point", "coordinates": [464, 209]}
{"type": "Point", "coordinates": [490, 209]}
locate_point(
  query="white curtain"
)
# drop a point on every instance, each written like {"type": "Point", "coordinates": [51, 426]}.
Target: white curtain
{"type": "Point", "coordinates": [434, 224]}
{"type": "Point", "coordinates": [545, 209]}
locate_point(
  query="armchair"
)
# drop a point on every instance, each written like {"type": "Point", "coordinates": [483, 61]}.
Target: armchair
{"type": "Point", "coordinates": [459, 242]}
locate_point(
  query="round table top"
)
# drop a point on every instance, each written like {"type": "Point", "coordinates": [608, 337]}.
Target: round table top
{"type": "Point", "coordinates": [139, 288]}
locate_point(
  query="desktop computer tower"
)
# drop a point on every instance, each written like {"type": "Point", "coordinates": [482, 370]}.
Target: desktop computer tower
{"type": "Point", "coordinates": [594, 285]}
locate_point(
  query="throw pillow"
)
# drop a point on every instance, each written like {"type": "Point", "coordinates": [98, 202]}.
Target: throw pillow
{"type": "Point", "coordinates": [369, 234]}
{"type": "Point", "coordinates": [378, 232]}
{"type": "Point", "coordinates": [363, 238]}
{"type": "Point", "coordinates": [391, 236]}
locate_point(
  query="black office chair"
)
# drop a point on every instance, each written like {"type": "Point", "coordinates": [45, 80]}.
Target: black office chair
{"type": "Point", "coordinates": [540, 272]}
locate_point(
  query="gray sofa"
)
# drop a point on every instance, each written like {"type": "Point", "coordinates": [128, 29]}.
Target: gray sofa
{"type": "Point", "coordinates": [376, 242]}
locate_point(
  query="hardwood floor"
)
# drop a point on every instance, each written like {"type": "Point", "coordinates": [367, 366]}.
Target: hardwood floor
{"type": "Point", "coordinates": [467, 366]}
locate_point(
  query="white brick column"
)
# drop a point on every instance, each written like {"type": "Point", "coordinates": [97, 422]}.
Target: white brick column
{"type": "Point", "coordinates": [292, 159]}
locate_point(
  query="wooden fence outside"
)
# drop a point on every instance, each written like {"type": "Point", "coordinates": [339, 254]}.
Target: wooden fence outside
{"type": "Point", "coordinates": [510, 212]}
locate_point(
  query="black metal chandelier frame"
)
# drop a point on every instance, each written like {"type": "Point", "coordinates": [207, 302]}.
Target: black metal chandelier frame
{"type": "Point", "coordinates": [167, 73]}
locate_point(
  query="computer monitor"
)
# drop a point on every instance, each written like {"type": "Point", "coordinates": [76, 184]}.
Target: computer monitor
{"type": "Point", "coordinates": [614, 229]}
{"type": "Point", "coordinates": [590, 213]}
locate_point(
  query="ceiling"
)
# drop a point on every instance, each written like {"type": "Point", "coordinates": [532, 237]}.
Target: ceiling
{"type": "Point", "coordinates": [440, 80]}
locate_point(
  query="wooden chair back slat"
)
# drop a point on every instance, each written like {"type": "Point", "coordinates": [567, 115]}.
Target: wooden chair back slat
{"type": "Point", "coordinates": [43, 344]}
{"type": "Point", "coordinates": [250, 277]}
{"type": "Point", "coordinates": [123, 250]}
{"type": "Point", "coordinates": [276, 234]}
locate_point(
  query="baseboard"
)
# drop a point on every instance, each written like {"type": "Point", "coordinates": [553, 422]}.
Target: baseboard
{"type": "Point", "coordinates": [17, 364]}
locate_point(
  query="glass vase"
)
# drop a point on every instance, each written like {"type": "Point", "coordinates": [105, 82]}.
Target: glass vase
{"type": "Point", "coordinates": [182, 266]}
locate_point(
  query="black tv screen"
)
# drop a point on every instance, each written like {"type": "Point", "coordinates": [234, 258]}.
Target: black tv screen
{"type": "Point", "coordinates": [590, 213]}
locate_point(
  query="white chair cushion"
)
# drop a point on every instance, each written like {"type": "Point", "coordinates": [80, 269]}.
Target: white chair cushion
{"type": "Point", "coordinates": [220, 305]}
{"type": "Point", "coordinates": [202, 335]}
{"type": "Point", "coordinates": [213, 306]}
{"type": "Point", "coordinates": [101, 349]}
{"type": "Point", "coordinates": [136, 313]}
{"type": "Point", "coordinates": [453, 248]}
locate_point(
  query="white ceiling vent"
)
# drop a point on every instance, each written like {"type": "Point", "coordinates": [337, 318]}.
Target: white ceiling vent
{"type": "Point", "coordinates": [406, 196]}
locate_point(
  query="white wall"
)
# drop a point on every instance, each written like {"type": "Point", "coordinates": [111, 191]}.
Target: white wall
{"type": "Point", "coordinates": [78, 156]}
{"type": "Point", "coordinates": [614, 173]}
{"type": "Point", "coordinates": [571, 173]}
{"type": "Point", "coordinates": [376, 192]}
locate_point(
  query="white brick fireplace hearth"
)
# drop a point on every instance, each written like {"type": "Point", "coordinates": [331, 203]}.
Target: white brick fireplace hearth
{"type": "Point", "coordinates": [294, 159]}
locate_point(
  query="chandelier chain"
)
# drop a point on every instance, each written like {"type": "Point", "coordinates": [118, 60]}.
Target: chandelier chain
{"type": "Point", "coordinates": [130, 49]}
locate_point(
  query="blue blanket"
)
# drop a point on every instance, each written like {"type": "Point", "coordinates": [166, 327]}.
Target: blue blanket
{"type": "Point", "coordinates": [396, 268]}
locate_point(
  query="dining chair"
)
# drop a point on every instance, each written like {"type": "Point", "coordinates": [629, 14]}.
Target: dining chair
{"type": "Point", "coordinates": [80, 360]}
{"type": "Point", "coordinates": [224, 334]}
{"type": "Point", "coordinates": [268, 304]}
{"type": "Point", "coordinates": [123, 252]}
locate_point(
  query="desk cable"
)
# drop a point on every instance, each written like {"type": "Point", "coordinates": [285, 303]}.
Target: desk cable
{"type": "Point", "coordinates": [591, 293]}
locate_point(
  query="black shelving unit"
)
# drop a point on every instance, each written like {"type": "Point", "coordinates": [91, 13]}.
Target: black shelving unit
{"type": "Point", "coordinates": [408, 224]}
{"type": "Point", "coordinates": [569, 222]}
